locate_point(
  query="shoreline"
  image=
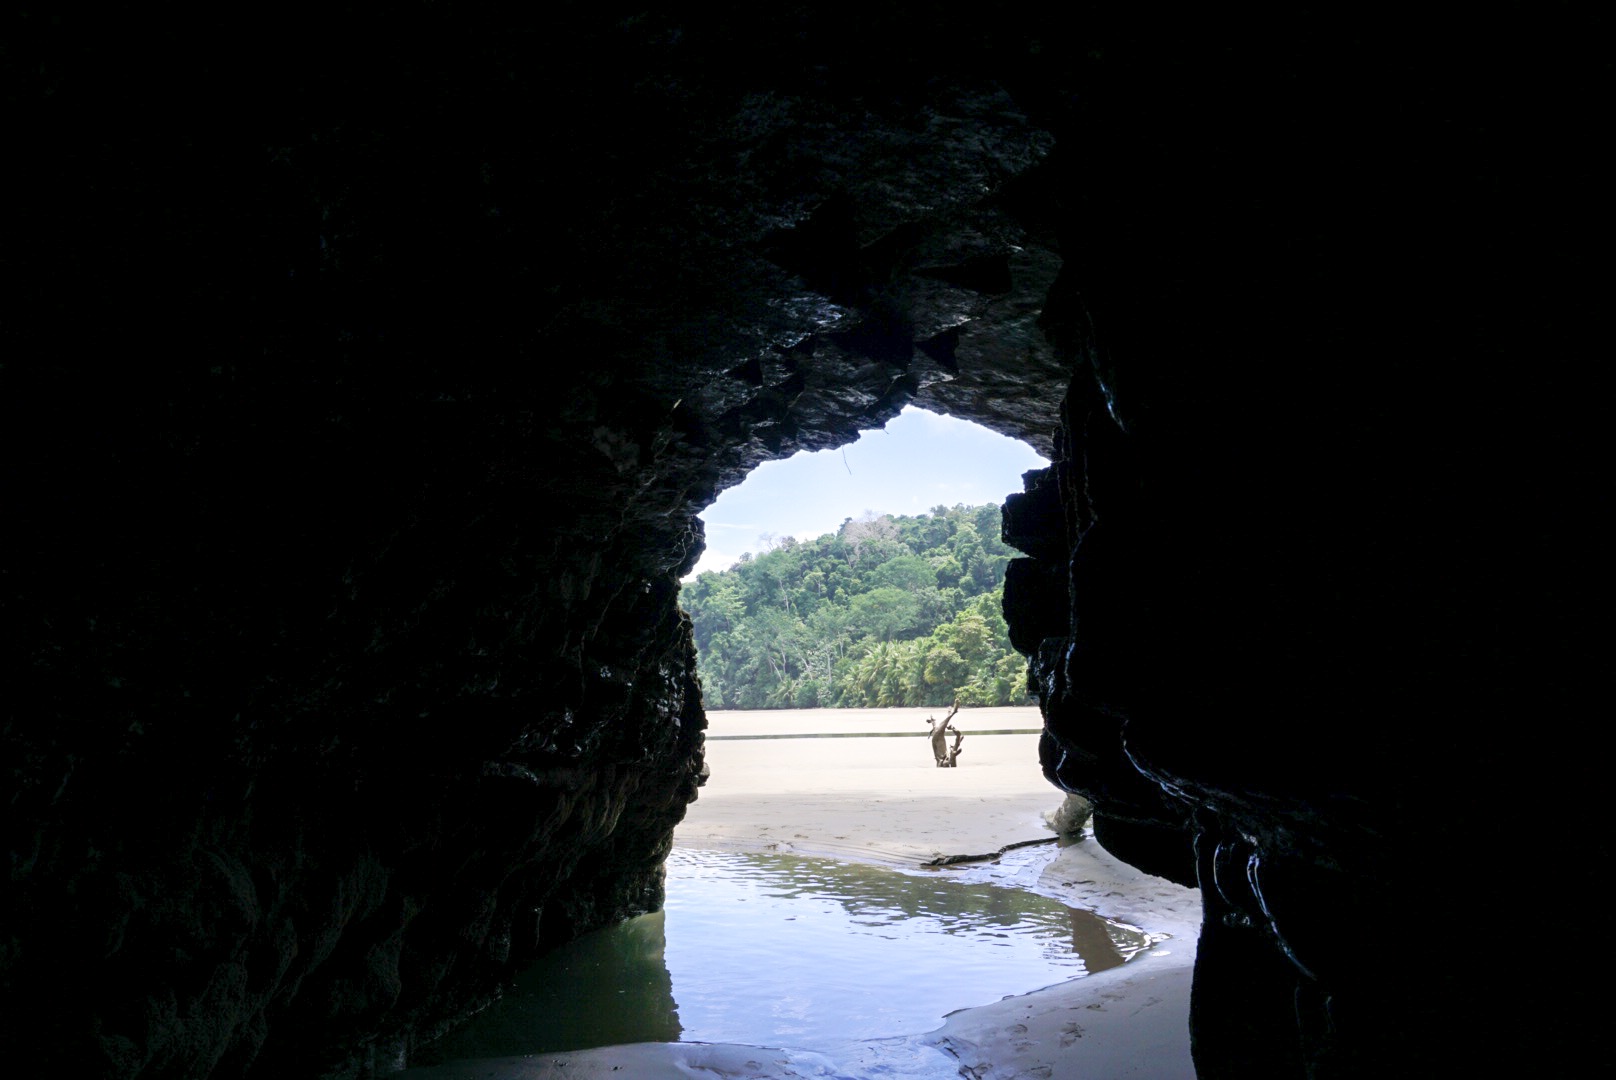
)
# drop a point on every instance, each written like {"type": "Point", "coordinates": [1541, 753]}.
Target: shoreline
{"type": "Point", "coordinates": [868, 798]}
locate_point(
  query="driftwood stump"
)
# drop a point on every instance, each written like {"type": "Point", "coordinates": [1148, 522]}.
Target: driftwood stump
{"type": "Point", "coordinates": [946, 757]}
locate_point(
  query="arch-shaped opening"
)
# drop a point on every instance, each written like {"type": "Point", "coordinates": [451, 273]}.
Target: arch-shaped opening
{"type": "Point", "coordinates": [763, 943]}
{"type": "Point", "coordinates": [872, 574]}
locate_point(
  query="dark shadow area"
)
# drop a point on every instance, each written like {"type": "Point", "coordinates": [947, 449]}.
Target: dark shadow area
{"type": "Point", "coordinates": [606, 988]}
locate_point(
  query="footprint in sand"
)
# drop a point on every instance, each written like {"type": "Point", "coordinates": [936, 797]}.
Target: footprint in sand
{"type": "Point", "coordinates": [1070, 1033]}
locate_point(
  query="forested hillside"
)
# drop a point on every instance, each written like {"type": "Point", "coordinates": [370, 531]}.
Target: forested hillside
{"type": "Point", "coordinates": [888, 611]}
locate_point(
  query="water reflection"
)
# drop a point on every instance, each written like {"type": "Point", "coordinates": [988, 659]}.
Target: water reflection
{"type": "Point", "coordinates": [806, 952]}
{"type": "Point", "coordinates": [792, 951]}
{"type": "Point", "coordinates": [605, 988]}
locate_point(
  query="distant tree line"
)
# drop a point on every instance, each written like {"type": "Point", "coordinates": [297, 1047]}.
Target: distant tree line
{"type": "Point", "coordinates": [888, 611]}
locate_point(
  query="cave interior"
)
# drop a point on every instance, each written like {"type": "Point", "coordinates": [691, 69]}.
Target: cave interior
{"type": "Point", "coordinates": [362, 382]}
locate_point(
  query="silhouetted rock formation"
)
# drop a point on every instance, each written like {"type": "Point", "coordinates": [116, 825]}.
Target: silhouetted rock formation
{"type": "Point", "coordinates": [362, 381]}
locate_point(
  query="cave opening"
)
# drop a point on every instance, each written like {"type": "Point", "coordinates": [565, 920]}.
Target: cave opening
{"type": "Point", "coordinates": [889, 545]}
{"type": "Point", "coordinates": [939, 473]}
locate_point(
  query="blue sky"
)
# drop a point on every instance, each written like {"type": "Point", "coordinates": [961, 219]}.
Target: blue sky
{"type": "Point", "coordinates": [919, 460]}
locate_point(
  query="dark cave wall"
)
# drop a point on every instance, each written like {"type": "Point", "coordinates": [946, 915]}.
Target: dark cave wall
{"type": "Point", "coordinates": [361, 390]}
{"type": "Point", "coordinates": [1321, 541]}
{"type": "Point", "coordinates": [361, 387]}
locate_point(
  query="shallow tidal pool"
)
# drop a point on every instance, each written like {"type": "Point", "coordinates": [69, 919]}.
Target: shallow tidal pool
{"type": "Point", "coordinates": [786, 950]}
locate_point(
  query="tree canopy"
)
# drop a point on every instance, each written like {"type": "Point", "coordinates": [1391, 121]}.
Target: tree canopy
{"type": "Point", "coordinates": [887, 611]}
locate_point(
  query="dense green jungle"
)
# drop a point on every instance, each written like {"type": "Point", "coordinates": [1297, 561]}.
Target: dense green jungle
{"type": "Point", "coordinates": [887, 611]}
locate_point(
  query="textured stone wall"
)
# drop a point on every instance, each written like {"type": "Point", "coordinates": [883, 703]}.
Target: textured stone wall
{"type": "Point", "coordinates": [361, 390]}
{"type": "Point", "coordinates": [362, 380]}
{"type": "Point", "coordinates": [1307, 551]}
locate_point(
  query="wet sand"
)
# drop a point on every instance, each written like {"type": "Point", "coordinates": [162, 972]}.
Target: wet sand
{"type": "Point", "coordinates": [850, 784]}
{"type": "Point", "coordinates": [872, 799]}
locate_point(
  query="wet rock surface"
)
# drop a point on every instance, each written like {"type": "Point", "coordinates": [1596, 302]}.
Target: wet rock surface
{"type": "Point", "coordinates": [361, 387]}
{"type": "Point", "coordinates": [1293, 613]}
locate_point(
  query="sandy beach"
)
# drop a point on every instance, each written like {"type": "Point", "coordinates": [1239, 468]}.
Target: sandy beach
{"type": "Point", "coordinates": [860, 785]}
{"type": "Point", "coordinates": [873, 799]}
